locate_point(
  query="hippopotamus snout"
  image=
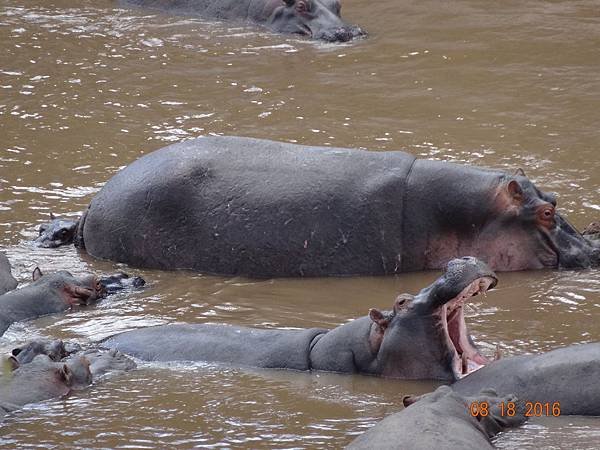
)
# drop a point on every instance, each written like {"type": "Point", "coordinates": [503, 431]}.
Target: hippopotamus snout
{"type": "Point", "coordinates": [341, 34]}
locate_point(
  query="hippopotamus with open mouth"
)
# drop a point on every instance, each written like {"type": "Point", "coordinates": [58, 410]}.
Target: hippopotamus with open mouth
{"type": "Point", "coordinates": [423, 337]}
{"type": "Point", "coordinates": [58, 292]}
{"type": "Point", "coordinates": [442, 420]}
{"type": "Point", "coordinates": [316, 19]}
{"type": "Point", "coordinates": [7, 281]}
{"type": "Point", "coordinates": [240, 206]}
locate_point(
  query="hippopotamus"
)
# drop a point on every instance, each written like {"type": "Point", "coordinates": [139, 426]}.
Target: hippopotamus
{"type": "Point", "coordinates": [441, 420]}
{"type": "Point", "coordinates": [422, 337]}
{"type": "Point", "coordinates": [101, 361]}
{"type": "Point", "coordinates": [42, 379]}
{"type": "Point", "coordinates": [48, 294]}
{"type": "Point", "coordinates": [7, 281]}
{"type": "Point", "coordinates": [567, 375]}
{"type": "Point", "coordinates": [56, 232]}
{"type": "Point", "coordinates": [258, 208]}
{"type": "Point", "coordinates": [316, 19]}
{"type": "Point", "coordinates": [58, 292]}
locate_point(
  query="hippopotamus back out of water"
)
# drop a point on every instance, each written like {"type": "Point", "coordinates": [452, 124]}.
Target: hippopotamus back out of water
{"type": "Point", "coordinates": [316, 19]}
{"type": "Point", "coordinates": [423, 337]}
{"type": "Point", "coordinates": [240, 206]}
{"type": "Point", "coordinates": [441, 420]}
{"type": "Point", "coordinates": [566, 376]}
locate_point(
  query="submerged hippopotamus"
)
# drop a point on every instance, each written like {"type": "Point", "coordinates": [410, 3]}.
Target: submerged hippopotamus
{"type": "Point", "coordinates": [42, 379]}
{"type": "Point", "coordinates": [566, 375]}
{"type": "Point", "coordinates": [100, 361]}
{"type": "Point", "coordinates": [7, 281]}
{"type": "Point", "coordinates": [441, 420]}
{"type": "Point", "coordinates": [423, 337]}
{"type": "Point", "coordinates": [41, 370]}
{"type": "Point", "coordinates": [240, 206]}
{"type": "Point", "coordinates": [58, 292]}
{"type": "Point", "coordinates": [316, 19]}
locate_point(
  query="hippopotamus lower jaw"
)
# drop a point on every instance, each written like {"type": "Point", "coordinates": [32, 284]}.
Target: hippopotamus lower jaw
{"type": "Point", "coordinates": [465, 356]}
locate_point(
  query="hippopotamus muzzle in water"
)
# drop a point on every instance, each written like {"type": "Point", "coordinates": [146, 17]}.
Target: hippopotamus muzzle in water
{"type": "Point", "coordinates": [316, 19]}
{"type": "Point", "coordinates": [442, 420]}
{"type": "Point", "coordinates": [58, 292]}
{"type": "Point", "coordinates": [423, 337]}
{"type": "Point", "coordinates": [240, 206]}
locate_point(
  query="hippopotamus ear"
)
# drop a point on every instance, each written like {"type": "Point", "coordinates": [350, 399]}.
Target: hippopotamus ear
{"type": "Point", "coordinates": [379, 318]}
{"type": "Point", "coordinates": [65, 374]}
{"type": "Point", "coordinates": [13, 363]}
{"type": "Point", "coordinates": [520, 172]}
{"type": "Point", "coordinates": [37, 274]}
{"type": "Point", "coordinates": [52, 216]}
{"type": "Point", "coordinates": [514, 190]}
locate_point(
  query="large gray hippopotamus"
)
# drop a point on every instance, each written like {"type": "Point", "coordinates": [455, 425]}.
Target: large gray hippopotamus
{"type": "Point", "coordinates": [566, 378]}
{"type": "Point", "coordinates": [423, 337]}
{"type": "Point", "coordinates": [442, 420]}
{"type": "Point", "coordinates": [316, 19]}
{"type": "Point", "coordinates": [58, 292]}
{"type": "Point", "coordinates": [7, 281]}
{"type": "Point", "coordinates": [241, 206]}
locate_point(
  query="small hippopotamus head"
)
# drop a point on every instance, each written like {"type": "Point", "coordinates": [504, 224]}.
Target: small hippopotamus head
{"type": "Point", "coordinates": [53, 349]}
{"type": "Point", "coordinates": [120, 281]}
{"type": "Point", "coordinates": [425, 336]}
{"type": "Point", "coordinates": [490, 419]}
{"type": "Point", "coordinates": [81, 290]}
{"type": "Point", "coordinates": [317, 19]}
{"type": "Point", "coordinates": [527, 232]}
{"type": "Point", "coordinates": [56, 233]}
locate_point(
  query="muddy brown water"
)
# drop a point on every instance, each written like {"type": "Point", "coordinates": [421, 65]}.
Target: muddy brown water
{"type": "Point", "coordinates": [87, 87]}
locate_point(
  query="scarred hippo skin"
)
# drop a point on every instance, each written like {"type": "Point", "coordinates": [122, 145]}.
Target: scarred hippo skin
{"type": "Point", "coordinates": [7, 281]}
{"type": "Point", "coordinates": [42, 379]}
{"type": "Point", "coordinates": [423, 337]}
{"type": "Point", "coordinates": [240, 206]}
{"type": "Point", "coordinates": [317, 19]}
{"type": "Point", "coordinates": [440, 420]}
{"type": "Point", "coordinates": [48, 294]}
{"type": "Point", "coordinates": [566, 375]}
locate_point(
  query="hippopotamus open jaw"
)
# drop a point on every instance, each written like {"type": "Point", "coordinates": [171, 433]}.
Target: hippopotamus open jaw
{"type": "Point", "coordinates": [435, 314]}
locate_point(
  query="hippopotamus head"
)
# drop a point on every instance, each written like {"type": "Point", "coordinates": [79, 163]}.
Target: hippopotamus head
{"type": "Point", "coordinates": [527, 232]}
{"type": "Point", "coordinates": [81, 290]}
{"type": "Point", "coordinates": [425, 336]}
{"type": "Point", "coordinates": [317, 19]}
{"type": "Point", "coordinates": [57, 232]}
{"type": "Point", "coordinates": [120, 281]}
{"type": "Point", "coordinates": [491, 420]}
{"type": "Point", "coordinates": [55, 350]}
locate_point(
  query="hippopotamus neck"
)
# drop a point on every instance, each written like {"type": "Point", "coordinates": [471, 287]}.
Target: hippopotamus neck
{"type": "Point", "coordinates": [345, 349]}
{"type": "Point", "coordinates": [448, 219]}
